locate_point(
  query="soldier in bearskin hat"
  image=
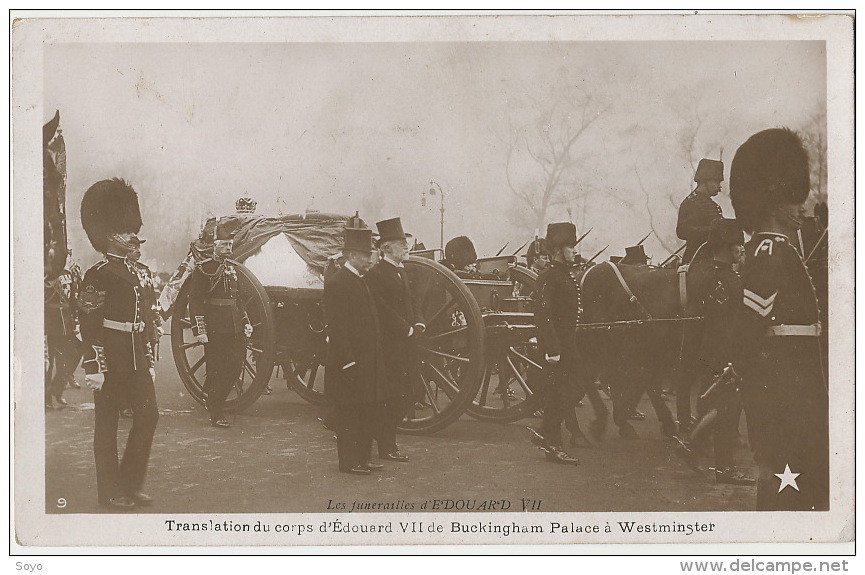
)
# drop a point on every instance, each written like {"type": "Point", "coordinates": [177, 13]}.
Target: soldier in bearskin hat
{"type": "Point", "coordinates": [118, 357]}
{"type": "Point", "coordinates": [557, 310]}
{"type": "Point", "coordinates": [786, 398]}
{"type": "Point", "coordinates": [460, 254]}
{"type": "Point", "coordinates": [719, 292]}
{"type": "Point", "coordinates": [401, 325]}
{"type": "Point", "coordinates": [355, 377]}
{"type": "Point", "coordinates": [698, 210]}
{"type": "Point", "coordinates": [219, 319]}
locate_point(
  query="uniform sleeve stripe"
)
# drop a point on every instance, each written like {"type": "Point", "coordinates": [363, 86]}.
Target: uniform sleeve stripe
{"type": "Point", "coordinates": [757, 308]}
{"type": "Point", "coordinates": [762, 302]}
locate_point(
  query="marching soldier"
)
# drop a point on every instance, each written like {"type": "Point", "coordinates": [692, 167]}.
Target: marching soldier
{"type": "Point", "coordinates": [219, 320]}
{"type": "Point", "coordinates": [698, 210]}
{"type": "Point", "coordinates": [720, 404]}
{"type": "Point", "coordinates": [400, 327]}
{"type": "Point", "coordinates": [354, 369]}
{"type": "Point", "coordinates": [786, 396]}
{"type": "Point", "coordinates": [64, 347]}
{"type": "Point", "coordinates": [118, 358]}
{"type": "Point", "coordinates": [557, 311]}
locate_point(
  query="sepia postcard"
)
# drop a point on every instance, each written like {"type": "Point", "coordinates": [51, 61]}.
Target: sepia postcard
{"type": "Point", "coordinates": [569, 282]}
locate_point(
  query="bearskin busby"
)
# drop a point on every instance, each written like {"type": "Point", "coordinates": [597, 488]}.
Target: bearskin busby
{"type": "Point", "coordinates": [768, 170]}
{"type": "Point", "coordinates": [725, 232]}
{"type": "Point", "coordinates": [109, 207]}
{"type": "Point", "coordinates": [709, 170]}
{"type": "Point", "coordinates": [460, 252]}
{"type": "Point", "coordinates": [561, 234]}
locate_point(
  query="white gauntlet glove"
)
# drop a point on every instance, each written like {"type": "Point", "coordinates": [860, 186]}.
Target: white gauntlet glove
{"type": "Point", "coordinates": [553, 358]}
{"type": "Point", "coordinates": [94, 380]}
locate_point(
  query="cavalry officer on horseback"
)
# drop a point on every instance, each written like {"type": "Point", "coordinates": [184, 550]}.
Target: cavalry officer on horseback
{"type": "Point", "coordinates": [557, 314]}
{"type": "Point", "coordinates": [118, 357]}
{"type": "Point", "coordinates": [698, 210]}
{"type": "Point", "coordinates": [219, 319]}
{"type": "Point", "coordinates": [720, 295]}
{"type": "Point", "coordinates": [785, 391]}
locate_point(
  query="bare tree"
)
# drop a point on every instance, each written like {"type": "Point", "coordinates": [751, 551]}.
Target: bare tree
{"type": "Point", "coordinates": [541, 157]}
{"type": "Point", "coordinates": [813, 133]}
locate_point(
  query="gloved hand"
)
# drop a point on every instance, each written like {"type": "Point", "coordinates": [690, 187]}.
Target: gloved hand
{"type": "Point", "coordinates": [201, 338]}
{"type": "Point", "coordinates": [152, 371]}
{"type": "Point", "coordinates": [553, 358]}
{"type": "Point", "coordinates": [247, 330]}
{"type": "Point", "coordinates": [94, 380]}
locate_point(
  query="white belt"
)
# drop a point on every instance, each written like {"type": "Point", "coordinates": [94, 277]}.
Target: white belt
{"type": "Point", "coordinates": [809, 330]}
{"type": "Point", "coordinates": [128, 327]}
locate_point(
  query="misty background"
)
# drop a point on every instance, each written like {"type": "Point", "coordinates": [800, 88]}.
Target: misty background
{"type": "Point", "coordinates": [516, 134]}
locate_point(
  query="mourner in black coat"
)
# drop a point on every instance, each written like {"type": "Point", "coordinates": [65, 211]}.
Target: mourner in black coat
{"type": "Point", "coordinates": [698, 210]}
{"type": "Point", "coordinates": [355, 378]}
{"type": "Point", "coordinates": [118, 356]}
{"type": "Point", "coordinates": [401, 325]}
{"type": "Point", "coordinates": [784, 385]}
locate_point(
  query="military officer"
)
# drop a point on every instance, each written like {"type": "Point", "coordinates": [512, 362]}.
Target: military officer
{"type": "Point", "coordinates": [219, 320]}
{"type": "Point", "coordinates": [118, 358]}
{"type": "Point", "coordinates": [401, 325]}
{"type": "Point", "coordinates": [355, 377]}
{"type": "Point", "coordinates": [786, 397]}
{"type": "Point", "coordinates": [698, 210]}
{"type": "Point", "coordinates": [720, 295]}
{"type": "Point", "coordinates": [557, 311]}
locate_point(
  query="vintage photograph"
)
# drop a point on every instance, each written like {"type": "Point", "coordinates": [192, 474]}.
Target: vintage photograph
{"type": "Point", "coordinates": [440, 279]}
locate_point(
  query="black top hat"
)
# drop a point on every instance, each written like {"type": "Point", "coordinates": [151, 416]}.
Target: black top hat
{"type": "Point", "coordinates": [709, 170]}
{"type": "Point", "coordinates": [391, 230]}
{"type": "Point", "coordinates": [109, 207]}
{"type": "Point", "coordinates": [635, 255]}
{"type": "Point", "coordinates": [358, 240]}
{"type": "Point", "coordinates": [768, 170]}
{"type": "Point", "coordinates": [49, 129]}
{"type": "Point", "coordinates": [725, 231]}
{"type": "Point", "coordinates": [561, 234]}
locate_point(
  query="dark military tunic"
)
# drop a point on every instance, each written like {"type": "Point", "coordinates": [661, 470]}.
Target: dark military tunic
{"type": "Point", "coordinates": [63, 348]}
{"type": "Point", "coordinates": [696, 214]}
{"type": "Point", "coordinates": [785, 393]}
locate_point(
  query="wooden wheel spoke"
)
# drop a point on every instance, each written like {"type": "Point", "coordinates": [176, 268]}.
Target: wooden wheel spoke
{"type": "Point", "coordinates": [485, 390]}
{"type": "Point", "coordinates": [447, 333]}
{"type": "Point", "coordinates": [450, 301]}
{"type": "Point", "coordinates": [197, 366]}
{"type": "Point", "coordinates": [312, 373]}
{"type": "Point", "coordinates": [447, 355]}
{"type": "Point", "coordinates": [190, 344]}
{"type": "Point", "coordinates": [185, 322]}
{"type": "Point", "coordinates": [429, 394]}
{"type": "Point", "coordinates": [520, 379]}
{"type": "Point", "coordinates": [248, 368]}
{"type": "Point", "coordinates": [524, 358]}
{"type": "Point", "coordinates": [449, 385]}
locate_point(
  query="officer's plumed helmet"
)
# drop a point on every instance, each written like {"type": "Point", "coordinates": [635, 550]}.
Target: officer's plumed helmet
{"type": "Point", "coordinates": [109, 207]}
{"type": "Point", "coordinates": [709, 170]}
{"type": "Point", "coordinates": [460, 252]}
{"type": "Point", "coordinates": [537, 248]}
{"type": "Point", "coordinates": [768, 170]}
{"type": "Point", "coordinates": [561, 234]}
{"type": "Point", "coordinates": [725, 232]}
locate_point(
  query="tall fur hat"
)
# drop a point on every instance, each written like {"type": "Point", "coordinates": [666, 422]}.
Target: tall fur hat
{"type": "Point", "coordinates": [460, 251]}
{"type": "Point", "coordinates": [768, 170]}
{"type": "Point", "coordinates": [725, 231]}
{"type": "Point", "coordinates": [561, 234]}
{"type": "Point", "coordinates": [709, 170]}
{"type": "Point", "coordinates": [109, 207]}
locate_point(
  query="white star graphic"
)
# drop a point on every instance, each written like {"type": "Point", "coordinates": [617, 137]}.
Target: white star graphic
{"type": "Point", "coordinates": [787, 478]}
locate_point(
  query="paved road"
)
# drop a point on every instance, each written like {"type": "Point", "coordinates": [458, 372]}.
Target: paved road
{"type": "Point", "coordinates": [278, 458]}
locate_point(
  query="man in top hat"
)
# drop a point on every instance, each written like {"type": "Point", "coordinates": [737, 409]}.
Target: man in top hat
{"type": "Point", "coordinates": [719, 291]}
{"type": "Point", "coordinates": [118, 358]}
{"type": "Point", "coordinates": [219, 319]}
{"type": "Point", "coordinates": [635, 256]}
{"type": "Point", "coordinates": [401, 325]}
{"type": "Point", "coordinates": [355, 376]}
{"type": "Point", "coordinates": [699, 210]}
{"type": "Point", "coordinates": [557, 311]}
{"type": "Point", "coordinates": [786, 397]}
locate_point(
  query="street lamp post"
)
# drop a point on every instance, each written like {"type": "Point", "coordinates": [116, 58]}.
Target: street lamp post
{"type": "Point", "coordinates": [432, 192]}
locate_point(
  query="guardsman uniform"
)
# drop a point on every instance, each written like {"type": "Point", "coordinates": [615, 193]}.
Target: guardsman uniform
{"type": "Point", "coordinates": [786, 397]}
{"type": "Point", "coordinates": [217, 312]}
{"type": "Point", "coordinates": [151, 306]}
{"type": "Point", "coordinates": [355, 378]}
{"type": "Point", "coordinates": [114, 324]}
{"type": "Point", "coordinates": [64, 347]}
{"type": "Point", "coordinates": [698, 210]}
{"type": "Point", "coordinates": [557, 313]}
{"type": "Point", "coordinates": [399, 321]}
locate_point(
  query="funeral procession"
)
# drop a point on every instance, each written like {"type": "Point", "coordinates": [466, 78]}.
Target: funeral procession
{"type": "Point", "coordinates": [279, 279]}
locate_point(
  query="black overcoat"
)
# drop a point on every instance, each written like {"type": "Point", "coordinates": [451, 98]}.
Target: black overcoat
{"type": "Point", "coordinates": [353, 337]}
